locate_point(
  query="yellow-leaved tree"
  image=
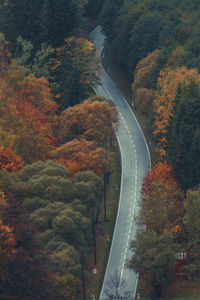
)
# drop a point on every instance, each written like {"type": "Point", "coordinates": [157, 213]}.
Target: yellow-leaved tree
{"type": "Point", "coordinates": [143, 95]}
{"type": "Point", "coordinates": [167, 85]}
{"type": "Point", "coordinates": [75, 71]}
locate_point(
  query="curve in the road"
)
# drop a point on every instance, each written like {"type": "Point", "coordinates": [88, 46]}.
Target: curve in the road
{"type": "Point", "coordinates": [135, 160]}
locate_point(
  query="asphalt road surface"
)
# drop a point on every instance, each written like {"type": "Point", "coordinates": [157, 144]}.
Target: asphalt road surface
{"type": "Point", "coordinates": [136, 162]}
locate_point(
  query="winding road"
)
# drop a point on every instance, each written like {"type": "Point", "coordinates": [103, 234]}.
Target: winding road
{"type": "Point", "coordinates": [136, 162]}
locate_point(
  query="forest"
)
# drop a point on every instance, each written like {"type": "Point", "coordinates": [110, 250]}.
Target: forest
{"type": "Point", "coordinates": [157, 44]}
{"type": "Point", "coordinates": [56, 139]}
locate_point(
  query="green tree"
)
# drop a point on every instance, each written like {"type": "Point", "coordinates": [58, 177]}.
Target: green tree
{"type": "Point", "coordinates": [191, 222]}
{"type": "Point", "coordinates": [43, 61]}
{"type": "Point", "coordinates": [45, 21]}
{"type": "Point", "coordinates": [89, 188]}
{"type": "Point", "coordinates": [93, 8]}
{"type": "Point", "coordinates": [66, 264]}
{"type": "Point", "coordinates": [23, 52]}
{"type": "Point", "coordinates": [183, 135]}
{"type": "Point", "coordinates": [145, 38]}
{"type": "Point", "coordinates": [61, 207]}
{"type": "Point", "coordinates": [66, 19]}
{"type": "Point", "coordinates": [108, 17]}
{"type": "Point", "coordinates": [127, 19]}
{"type": "Point", "coordinates": [75, 71]}
{"type": "Point", "coordinates": [72, 227]}
{"type": "Point", "coordinates": [23, 20]}
{"type": "Point", "coordinates": [41, 21]}
{"type": "Point", "coordinates": [38, 62]}
{"type": "Point", "coordinates": [61, 224]}
{"type": "Point", "coordinates": [47, 181]}
{"type": "Point", "coordinates": [154, 256]}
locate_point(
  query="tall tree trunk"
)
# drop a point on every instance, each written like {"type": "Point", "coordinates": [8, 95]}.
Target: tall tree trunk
{"type": "Point", "coordinates": [104, 196]}
{"type": "Point", "coordinates": [94, 237]}
{"type": "Point", "coordinates": [83, 279]}
{"type": "Point", "coordinates": [99, 207]}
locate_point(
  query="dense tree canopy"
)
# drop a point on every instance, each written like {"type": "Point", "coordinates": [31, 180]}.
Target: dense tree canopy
{"type": "Point", "coordinates": [154, 255]}
{"type": "Point", "coordinates": [60, 208]}
{"type": "Point", "coordinates": [92, 120]}
{"type": "Point", "coordinates": [25, 267]}
{"type": "Point", "coordinates": [157, 44]}
{"type": "Point", "coordinates": [45, 58]}
{"type": "Point", "coordinates": [144, 38]}
{"type": "Point", "coordinates": [183, 141]}
{"type": "Point", "coordinates": [143, 95]}
{"type": "Point", "coordinates": [75, 71]}
{"type": "Point", "coordinates": [41, 21]}
{"type": "Point", "coordinates": [165, 99]}
{"type": "Point", "coordinates": [191, 221]}
{"type": "Point", "coordinates": [108, 15]}
{"type": "Point", "coordinates": [162, 201]}
{"type": "Point", "coordinates": [160, 235]}
{"type": "Point", "coordinates": [80, 155]}
{"type": "Point", "coordinates": [46, 62]}
{"type": "Point", "coordinates": [27, 111]}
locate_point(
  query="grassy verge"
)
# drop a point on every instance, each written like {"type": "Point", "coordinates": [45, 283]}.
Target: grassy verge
{"type": "Point", "coordinates": [103, 229]}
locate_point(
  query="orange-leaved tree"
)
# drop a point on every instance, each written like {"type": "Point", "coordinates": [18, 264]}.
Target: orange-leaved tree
{"type": "Point", "coordinates": [93, 120]}
{"type": "Point", "coordinates": [160, 172]}
{"type": "Point", "coordinates": [143, 95]}
{"type": "Point", "coordinates": [10, 161]}
{"type": "Point", "coordinates": [7, 241]}
{"type": "Point", "coordinates": [7, 247]}
{"type": "Point", "coordinates": [27, 113]}
{"type": "Point", "coordinates": [7, 252]}
{"type": "Point", "coordinates": [80, 155]}
{"type": "Point", "coordinates": [162, 201]}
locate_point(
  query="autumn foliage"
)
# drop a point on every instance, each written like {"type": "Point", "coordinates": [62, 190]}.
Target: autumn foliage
{"type": "Point", "coordinates": [76, 71]}
{"type": "Point", "coordinates": [162, 201]}
{"type": "Point", "coordinates": [24, 272]}
{"type": "Point", "coordinates": [7, 240]}
{"type": "Point", "coordinates": [36, 263]}
{"type": "Point", "coordinates": [9, 161]}
{"type": "Point", "coordinates": [160, 172]}
{"type": "Point", "coordinates": [32, 130]}
{"type": "Point", "coordinates": [92, 120]}
{"type": "Point", "coordinates": [142, 93]}
{"type": "Point", "coordinates": [80, 155]}
{"type": "Point", "coordinates": [27, 114]}
{"type": "Point", "coordinates": [164, 101]}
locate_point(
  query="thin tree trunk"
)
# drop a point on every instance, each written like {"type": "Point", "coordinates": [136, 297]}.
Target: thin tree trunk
{"type": "Point", "coordinates": [83, 280]}
{"type": "Point", "coordinates": [99, 207]}
{"type": "Point", "coordinates": [104, 196]}
{"type": "Point", "coordinates": [94, 237]}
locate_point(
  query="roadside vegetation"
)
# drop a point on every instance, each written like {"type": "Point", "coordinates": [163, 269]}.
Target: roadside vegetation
{"type": "Point", "coordinates": [58, 168]}
{"type": "Point", "coordinates": [161, 67]}
{"type": "Point", "coordinates": [56, 151]}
